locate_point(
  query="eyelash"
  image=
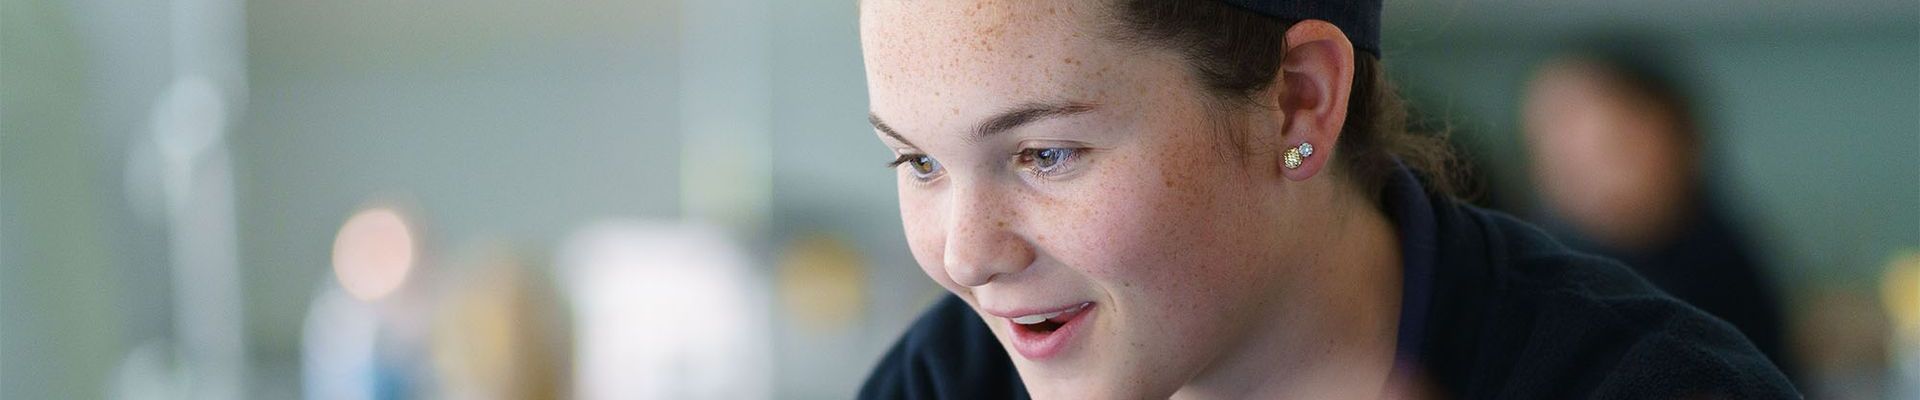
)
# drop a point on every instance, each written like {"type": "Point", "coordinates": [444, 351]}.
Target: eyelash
{"type": "Point", "coordinates": [903, 159]}
{"type": "Point", "coordinates": [1063, 165]}
{"type": "Point", "coordinates": [909, 157]}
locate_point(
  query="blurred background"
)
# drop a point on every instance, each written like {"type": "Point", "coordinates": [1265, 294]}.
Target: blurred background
{"type": "Point", "coordinates": [222, 199]}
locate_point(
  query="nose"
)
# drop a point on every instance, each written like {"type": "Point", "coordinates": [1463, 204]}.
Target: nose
{"type": "Point", "coordinates": [981, 243]}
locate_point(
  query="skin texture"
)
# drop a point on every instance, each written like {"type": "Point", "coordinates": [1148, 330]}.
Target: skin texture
{"type": "Point", "coordinates": [1216, 273]}
{"type": "Point", "coordinates": [1607, 158]}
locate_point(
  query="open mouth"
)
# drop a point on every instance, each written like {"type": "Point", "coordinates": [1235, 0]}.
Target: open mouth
{"type": "Point", "coordinates": [1040, 336]}
{"type": "Point", "coordinates": [1048, 322]}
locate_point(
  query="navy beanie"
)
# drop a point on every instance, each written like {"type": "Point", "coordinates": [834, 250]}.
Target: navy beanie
{"type": "Point", "coordinates": [1360, 19]}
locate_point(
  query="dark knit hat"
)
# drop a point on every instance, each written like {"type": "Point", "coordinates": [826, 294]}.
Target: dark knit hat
{"type": "Point", "coordinates": [1360, 19]}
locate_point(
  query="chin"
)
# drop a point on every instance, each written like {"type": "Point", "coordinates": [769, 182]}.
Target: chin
{"type": "Point", "coordinates": [1084, 388]}
{"type": "Point", "coordinates": [1093, 389]}
{"type": "Point", "coordinates": [1085, 382]}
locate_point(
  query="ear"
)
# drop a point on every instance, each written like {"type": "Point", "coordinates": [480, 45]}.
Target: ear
{"type": "Point", "coordinates": [1315, 80]}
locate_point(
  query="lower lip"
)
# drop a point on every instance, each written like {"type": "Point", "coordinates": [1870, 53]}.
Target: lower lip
{"type": "Point", "coordinates": [1037, 346]}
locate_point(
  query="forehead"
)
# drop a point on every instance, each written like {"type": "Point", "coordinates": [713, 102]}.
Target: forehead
{"type": "Point", "coordinates": [974, 28]}
{"type": "Point", "coordinates": [966, 58]}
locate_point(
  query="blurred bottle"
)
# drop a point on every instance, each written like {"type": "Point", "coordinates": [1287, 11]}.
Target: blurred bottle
{"type": "Point", "coordinates": [1900, 295]}
{"type": "Point", "coordinates": [500, 331]}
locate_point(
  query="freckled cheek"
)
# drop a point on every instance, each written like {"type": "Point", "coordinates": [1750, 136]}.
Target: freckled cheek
{"type": "Point", "coordinates": [1139, 249]}
{"type": "Point", "coordinates": [1155, 252]}
{"type": "Point", "coordinates": [1124, 239]}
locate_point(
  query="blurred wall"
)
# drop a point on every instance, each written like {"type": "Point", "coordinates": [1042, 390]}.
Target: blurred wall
{"type": "Point", "coordinates": [489, 119]}
{"type": "Point", "coordinates": [58, 268]}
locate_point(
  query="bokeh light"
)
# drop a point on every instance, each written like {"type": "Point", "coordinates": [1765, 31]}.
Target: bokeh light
{"type": "Point", "coordinates": [373, 253]}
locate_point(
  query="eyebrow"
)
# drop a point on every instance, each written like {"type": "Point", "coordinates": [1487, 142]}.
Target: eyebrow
{"type": "Point", "coordinates": [1004, 121]}
{"type": "Point", "coordinates": [1028, 113]}
{"type": "Point", "coordinates": [882, 126]}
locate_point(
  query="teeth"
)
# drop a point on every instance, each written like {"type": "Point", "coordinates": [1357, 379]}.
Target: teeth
{"type": "Point", "coordinates": [1036, 318]}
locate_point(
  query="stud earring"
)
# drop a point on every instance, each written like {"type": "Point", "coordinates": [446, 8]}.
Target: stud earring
{"type": "Point", "coordinates": [1298, 154]}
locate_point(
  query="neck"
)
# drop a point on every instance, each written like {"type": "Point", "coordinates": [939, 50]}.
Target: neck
{"type": "Point", "coordinates": [1332, 333]}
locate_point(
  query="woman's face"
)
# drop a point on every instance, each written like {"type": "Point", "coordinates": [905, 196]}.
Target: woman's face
{"type": "Point", "coordinates": [1046, 168]}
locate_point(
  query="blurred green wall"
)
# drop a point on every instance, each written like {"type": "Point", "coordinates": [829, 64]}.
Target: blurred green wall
{"type": "Point", "coordinates": [60, 326]}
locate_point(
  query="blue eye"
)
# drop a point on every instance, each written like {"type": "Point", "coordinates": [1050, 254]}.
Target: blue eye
{"type": "Point", "coordinates": [1049, 160]}
{"type": "Point", "coordinates": [923, 167]}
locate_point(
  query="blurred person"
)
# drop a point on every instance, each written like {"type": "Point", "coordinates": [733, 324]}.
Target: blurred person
{"type": "Point", "coordinates": [1617, 155]}
{"type": "Point", "coordinates": [1219, 199]}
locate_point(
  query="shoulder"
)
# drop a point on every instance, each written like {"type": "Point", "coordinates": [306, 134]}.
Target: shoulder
{"type": "Point", "coordinates": [1595, 324]}
{"type": "Point", "coordinates": [948, 353]}
{"type": "Point", "coordinates": [1558, 323]}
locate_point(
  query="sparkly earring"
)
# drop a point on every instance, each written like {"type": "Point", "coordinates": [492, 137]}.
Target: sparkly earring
{"type": "Point", "coordinates": [1298, 154]}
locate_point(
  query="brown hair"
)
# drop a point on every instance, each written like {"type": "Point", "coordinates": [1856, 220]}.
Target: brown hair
{"type": "Point", "coordinates": [1235, 53]}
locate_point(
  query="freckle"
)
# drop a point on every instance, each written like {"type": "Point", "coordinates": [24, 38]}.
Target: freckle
{"type": "Point", "coordinates": [1000, 224]}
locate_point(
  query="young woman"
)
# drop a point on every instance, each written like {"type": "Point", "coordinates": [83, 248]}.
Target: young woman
{"type": "Point", "coordinates": [1198, 199]}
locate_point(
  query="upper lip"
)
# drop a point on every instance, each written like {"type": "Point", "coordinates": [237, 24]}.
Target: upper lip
{"type": "Point", "coordinates": [1018, 312]}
